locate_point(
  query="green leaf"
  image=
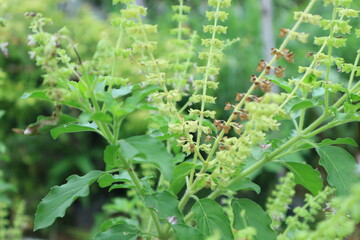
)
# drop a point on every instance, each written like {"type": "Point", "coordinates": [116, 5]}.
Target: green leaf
{"type": "Point", "coordinates": [318, 92]}
{"type": "Point", "coordinates": [110, 157]}
{"type": "Point", "coordinates": [39, 94]}
{"type": "Point", "coordinates": [46, 123]}
{"type": "Point", "coordinates": [210, 218]}
{"type": "Point", "coordinates": [122, 231]}
{"type": "Point", "coordinates": [61, 197]}
{"type": "Point", "coordinates": [296, 104]}
{"type": "Point", "coordinates": [280, 82]}
{"type": "Point", "coordinates": [95, 116]}
{"type": "Point", "coordinates": [348, 141]}
{"type": "Point", "coordinates": [340, 167]}
{"type": "Point", "coordinates": [304, 104]}
{"type": "Point", "coordinates": [141, 94]}
{"type": "Point", "coordinates": [245, 184]}
{"type": "Point", "coordinates": [73, 128]}
{"type": "Point", "coordinates": [254, 216]}
{"type": "Point", "coordinates": [107, 224]}
{"type": "Point", "coordinates": [177, 181]}
{"type": "Point", "coordinates": [294, 157]}
{"type": "Point", "coordinates": [123, 91]}
{"type": "Point", "coordinates": [7, 187]}
{"type": "Point", "coordinates": [107, 179]}
{"type": "Point", "coordinates": [352, 105]}
{"type": "Point", "coordinates": [326, 142]}
{"type": "Point", "coordinates": [148, 150]}
{"type": "Point", "coordinates": [306, 176]}
{"type": "Point", "coordinates": [2, 113]}
{"type": "Point", "coordinates": [354, 97]}
{"type": "Point", "coordinates": [310, 78]}
{"type": "Point", "coordinates": [121, 186]}
{"type": "Point", "coordinates": [184, 232]}
{"type": "Point", "coordinates": [165, 204]}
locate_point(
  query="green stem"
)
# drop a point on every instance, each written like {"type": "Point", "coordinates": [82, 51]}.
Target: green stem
{"type": "Point", "coordinates": [104, 128]}
{"type": "Point", "coordinates": [329, 64]}
{"type": "Point", "coordinates": [354, 70]}
{"type": "Point", "coordinates": [206, 78]}
{"type": "Point", "coordinates": [179, 36]}
{"type": "Point", "coordinates": [303, 113]}
{"type": "Point", "coordinates": [117, 125]}
{"type": "Point", "coordinates": [115, 61]}
{"type": "Point", "coordinates": [138, 186]}
{"type": "Point", "coordinates": [308, 71]}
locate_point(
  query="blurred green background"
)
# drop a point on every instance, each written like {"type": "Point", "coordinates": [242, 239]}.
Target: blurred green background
{"type": "Point", "coordinates": [32, 164]}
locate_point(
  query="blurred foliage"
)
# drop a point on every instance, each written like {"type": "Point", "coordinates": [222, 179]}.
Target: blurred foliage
{"type": "Point", "coordinates": [43, 164]}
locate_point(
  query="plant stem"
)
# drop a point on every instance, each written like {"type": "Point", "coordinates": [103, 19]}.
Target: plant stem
{"type": "Point", "coordinates": [328, 65]}
{"type": "Point", "coordinates": [303, 113]}
{"type": "Point", "coordinates": [138, 186]}
{"type": "Point", "coordinates": [206, 78]}
{"type": "Point", "coordinates": [115, 61]}
{"type": "Point", "coordinates": [354, 70]}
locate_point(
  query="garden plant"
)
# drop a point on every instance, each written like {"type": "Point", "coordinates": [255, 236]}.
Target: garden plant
{"type": "Point", "coordinates": [185, 177]}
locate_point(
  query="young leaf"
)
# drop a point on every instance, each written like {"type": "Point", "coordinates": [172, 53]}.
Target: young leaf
{"type": "Point", "coordinates": [304, 104]}
{"type": "Point", "coordinates": [123, 91]}
{"type": "Point", "coordinates": [121, 186]}
{"type": "Point", "coordinates": [327, 142]}
{"type": "Point", "coordinates": [296, 104]}
{"type": "Point", "coordinates": [184, 232]}
{"type": "Point", "coordinates": [72, 128]}
{"type": "Point", "coordinates": [310, 78]}
{"type": "Point", "coordinates": [108, 179]}
{"type": "Point", "coordinates": [340, 167]}
{"type": "Point", "coordinates": [306, 176]}
{"type": "Point", "coordinates": [39, 94]}
{"type": "Point", "coordinates": [210, 217]}
{"type": "Point", "coordinates": [166, 205]}
{"type": "Point", "coordinates": [318, 92]}
{"type": "Point", "coordinates": [95, 116]}
{"type": "Point", "coordinates": [110, 156]}
{"type": "Point", "coordinates": [46, 123]}
{"type": "Point", "coordinates": [107, 224]}
{"type": "Point", "coordinates": [245, 184]}
{"type": "Point", "coordinates": [151, 150]}
{"type": "Point", "coordinates": [177, 181]}
{"type": "Point", "coordinates": [348, 141]}
{"type": "Point", "coordinates": [61, 197]}
{"type": "Point", "coordinates": [254, 217]}
{"type": "Point", "coordinates": [280, 82]}
{"type": "Point", "coordinates": [121, 231]}
{"type": "Point", "coordinates": [138, 96]}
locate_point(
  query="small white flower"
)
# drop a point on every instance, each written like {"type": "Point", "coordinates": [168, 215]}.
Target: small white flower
{"type": "Point", "coordinates": [31, 41]}
{"type": "Point", "coordinates": [53, 40]}
{"type": "Point", "coordinates": [32, 55]}
{"type": "Point", "coordinates": [27, 131]}
{"type": "Point", "coordinates": [4, 48]}
{"type": "Point", "coordinates": [264, 146]}
{"type": "Point", "coordinates": [172, 220]}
